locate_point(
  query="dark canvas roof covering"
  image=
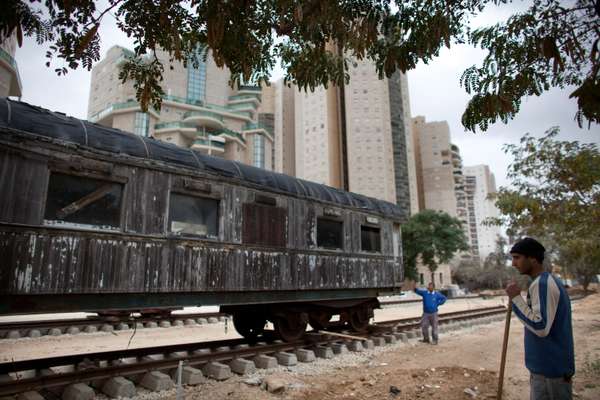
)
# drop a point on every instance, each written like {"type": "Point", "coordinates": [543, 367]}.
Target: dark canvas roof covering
{"type": "Point", "coordinates": [32, 119]}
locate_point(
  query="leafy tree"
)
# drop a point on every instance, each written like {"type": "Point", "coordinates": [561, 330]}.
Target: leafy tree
{"type": "Point", "coordinates": [581, 257]}
{"type": "Point", "coordinates": [555, 193]}
{"type": "Point", "coordinates": [467, 274]}
{"type": "Point", "coordinates": [431, 237]}
{"type": "Point", "coordinates": [549, 45]}
{"type": "Point", "coordinates": [494, 273]}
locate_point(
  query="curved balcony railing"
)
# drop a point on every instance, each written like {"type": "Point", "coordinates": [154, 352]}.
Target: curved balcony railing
{"type": "Point", "coordinates": [185, 100]}
{"type": "Point", "coordinates": [207, 114]}
{"type": "Point", "coordinates": [113, 107]}
{"type": "Point", "coordinates": [249, 126]}
{"type": "Point", "coordinates": [238, 97]}
{"type": "Point", "coordinates": [231, 133]}
{"type": "Point", "coordinates": [174, 125]}
{"type": "Point", "coordinates": [249, 88]}
{"type": "Point", "coordinates": [200, 103]}
{"type": "Point", "coordinates": [243, 106]}
{"type": "Point", "coordinates": [209, 143]}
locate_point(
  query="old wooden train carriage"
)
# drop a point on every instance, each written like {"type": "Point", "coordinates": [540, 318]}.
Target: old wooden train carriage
{"type": "Point", "coordinates": [95, 219]}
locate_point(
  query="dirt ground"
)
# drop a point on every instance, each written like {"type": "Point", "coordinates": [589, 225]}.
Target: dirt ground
{"type": "Point", "coordinates": [465, 360]}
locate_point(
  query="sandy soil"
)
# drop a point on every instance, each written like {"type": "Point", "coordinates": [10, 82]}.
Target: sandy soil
{"type": "Point", "coordinates": [467, 359]}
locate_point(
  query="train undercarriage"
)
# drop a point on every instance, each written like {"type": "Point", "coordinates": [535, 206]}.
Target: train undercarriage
{"type": "Point", "coordinates": [290, 320]}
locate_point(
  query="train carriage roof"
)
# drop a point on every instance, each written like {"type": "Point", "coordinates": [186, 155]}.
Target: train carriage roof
{"type": "Point", "coordinates": [31, 119]}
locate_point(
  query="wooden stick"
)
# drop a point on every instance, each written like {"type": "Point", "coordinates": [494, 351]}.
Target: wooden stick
{"type": "Point", "coordinates": [341, 335]}
{"type": "Point", "coordinates": [504, 348]}
{"type": "Point", "coordinates": [84, 201]}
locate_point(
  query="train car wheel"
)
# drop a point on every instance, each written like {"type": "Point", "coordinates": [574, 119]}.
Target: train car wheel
{"type": "Point", "coordinates": [359, 318]}
{"type": "Point", "coordinates": [250, 326]}
{"type": "Point", "coordinates": [290, 327]}
{"type": "Point", "coordinates": [319, 320]}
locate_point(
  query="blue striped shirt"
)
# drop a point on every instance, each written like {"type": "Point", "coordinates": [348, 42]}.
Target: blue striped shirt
{"type": "Point", "coordinates": [431, 300]}
{"type": "Point", "coordinates": [548, 330]}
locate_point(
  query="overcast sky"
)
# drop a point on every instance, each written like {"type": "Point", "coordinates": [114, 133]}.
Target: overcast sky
{"type": "Point", "coordinates": [434, 93]}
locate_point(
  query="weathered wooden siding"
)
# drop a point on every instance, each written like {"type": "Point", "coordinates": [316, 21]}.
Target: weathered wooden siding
{"type": "Point", "coordinates": [142, 259]}
{"type": "Point", "coordinates": [301, 224]}
{"type": "Point", "coordinates": [23, 184]}
{"type": "Point", "coordinates": [57, 261]}
{"type": "Point", "coordinates": [145, 201]}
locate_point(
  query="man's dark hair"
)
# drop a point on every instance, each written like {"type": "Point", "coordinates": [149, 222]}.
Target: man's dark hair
{"type": "Point", "coordinates": [529, 247]}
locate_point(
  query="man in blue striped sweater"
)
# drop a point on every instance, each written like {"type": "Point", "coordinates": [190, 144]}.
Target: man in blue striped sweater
{"type": "Point", "coordinates": [546, 314]}
{"type": "Point", "coordinates": [431, 300]}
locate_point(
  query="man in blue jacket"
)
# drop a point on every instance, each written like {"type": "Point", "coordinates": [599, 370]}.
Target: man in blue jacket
{"type": "Point", "coordinates": [546, 314]}
{"type": "Point", "coordinates": [431, 301]}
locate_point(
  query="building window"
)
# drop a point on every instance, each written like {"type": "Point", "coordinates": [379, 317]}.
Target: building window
{"type": "Point", "coordinates": [142, 124]}
{"type": "Point", "coordinates": [370, 239]}
{"type": "Point", "coordinates": [441, 279]}
{"type": "Point", "coordinates": [196, 87]}
{"type": "Point", "coordinates": [259, 151]}
{"type": "Point", "coordinates": [329, 233]}
{"type": "Point", "coordinates": [197, 216]}
{"type": "Point", "coordinates": [83, 202]}
{"type": "Point", "coordinates": [421, 279]}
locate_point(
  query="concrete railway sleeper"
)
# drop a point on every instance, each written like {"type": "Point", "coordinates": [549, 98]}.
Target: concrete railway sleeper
{"type": "Point", "coordinates": [116, 373]}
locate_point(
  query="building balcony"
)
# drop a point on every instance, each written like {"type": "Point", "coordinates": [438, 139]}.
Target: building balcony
{"type": "Point", "coordinates": [210, 145]}
{"type": "Point", "coordinates": [193, 104]}
{"type": "Point", "coordinates": [230, 135]}
{"type": "Point", "coordinates": [10, 64]}
{"type": "Point", "coordinates": [104, 117]}
{"type": "Point", "coordinates": [245, 98]}
{"type": "Point", "coordinates": [187, 129]}
{"type": "Point", "coordinates": [184, 100]}
{"type": "Point", "coordinates": [207, 119]}
{"type": "Point", "coordinates": [254, 127]}
{"type": "Point", "coordinates": [249, 89]}
{"type": "Point", "coordinates": [249, 107]}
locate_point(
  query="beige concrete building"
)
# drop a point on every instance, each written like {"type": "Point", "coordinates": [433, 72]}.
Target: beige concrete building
{"type": "Point", "coordinates": [199, 109]}
{"type": "Point", "coordinates": [480, 184]}
{"type": "Point", "coordinates": [10, 81]}
{"type": "Point", "coordinates": [440, 181]}
{"type": "Point", "coordinates": [284, 128]}
{"type": "Point", "coordinates": [440, 178]}
{"type": "Point", "coordinates": [318, 136]}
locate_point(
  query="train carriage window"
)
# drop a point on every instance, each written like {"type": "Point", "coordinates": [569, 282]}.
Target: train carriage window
{"type": "Point", "coordinates": [83, 201]}
{"type": "Point", "coordinates": [189, 215]}
{"type": "Point", "coordinates": [264, 225]}
{"type": "Point", "coordinates": [370, 239]}
{"type": "Point", "coordinates": [329, 233]}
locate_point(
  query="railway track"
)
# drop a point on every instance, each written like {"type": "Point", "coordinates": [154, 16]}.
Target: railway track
{"type": "Point", "coordinates": [56, 327]}
{"type": "Point", "coordinates": [116, 373]}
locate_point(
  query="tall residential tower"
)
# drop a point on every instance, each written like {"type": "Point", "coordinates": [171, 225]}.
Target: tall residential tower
{"type": "Point", "coordinates": [356, 137]}
{"type": "Point", "coordinates": [480, 185]}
